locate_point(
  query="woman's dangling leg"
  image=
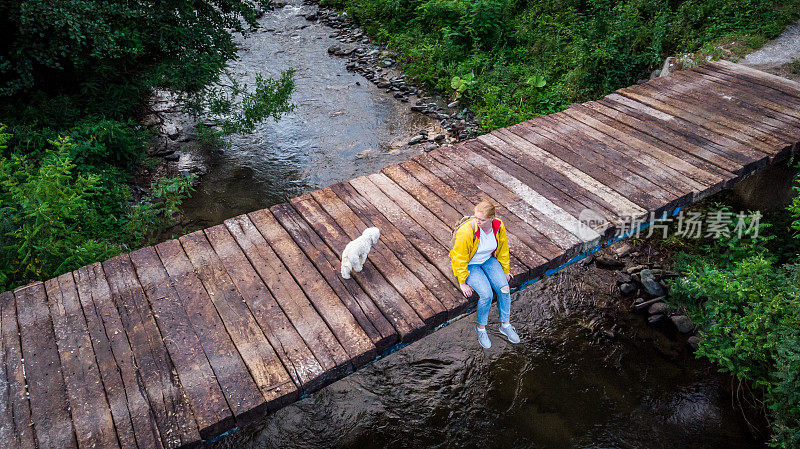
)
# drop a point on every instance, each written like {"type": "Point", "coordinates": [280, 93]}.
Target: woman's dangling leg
{"type": "Point", "coordinates": [480, 283]}
{"type": "Point", "coordinates": [497, 279]}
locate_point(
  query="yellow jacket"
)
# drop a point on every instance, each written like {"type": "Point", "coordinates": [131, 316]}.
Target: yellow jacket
{"type": "Point", "coordinates": [467, 244]}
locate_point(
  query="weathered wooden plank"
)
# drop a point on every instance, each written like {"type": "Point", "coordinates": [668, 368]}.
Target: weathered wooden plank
{"type": "Point", "coordinates": [522, 237]}
{"type": "Point", "coordinates": [239, 296]}
{"type": "Point", "coordinates": [791, 88]}
{"type": "Point", "coordinates": [675, 143]}
{"type": "Point", "coordinates": [358, 301]}
{"type": "Point", "coordinates": [244, 397]}
{"type": "Point", "coordinates": [550, 183]}
{"type": "Point", "coordinates": [724, 113]}
{"type": "Point", "coordinates": [783, 107]}
{"type": "Point", "coordinates": [514, 147]}
{"type": "Point", "coordinates": [337, 238]}
{"type": "Point", "coordinates": [561, 136]}
{"type": "Point", "coordinates": [755, 110]}
{"type": "Point", "coordinates": [594, 147]}
{"type": "Point", "coordinates": [441, 199]}
{"type": "Point", "coordinates": [542, 207]}
{"type": "Point", "coordinates": [430, 263]}
{"type": "Point", "coordinates": [173, 415]}
{"type": "Point", "coordinates": [762, 87]}
{"type": "Point", "coordinates": [686, 175]}
{"type": "Point", "coordinates": [47, 391]}
{"type": "Point", "coordinates": [108, 369]}
{"type": "Point", "coordinates": [704, 93]}
{"type": "Point", "coordinates": [424, 302]}
{"type": "Point", "coordinates": [431, 239]}
{"type": "Point", "coordinates": [371, 294]}
{"type": "Point", "coordinates": [241, 233]}
{"type": "Point", "coordinates": [8, 432]}
{"type": "Point", "coordinates": [652, 165]}
{"type": "Point", "coordinates": [452, 186]}
{"type": "Point", "coordinates": [557, 239]}
{"type": "Point", "coordinates": [122, 380]}
{"type": "Point", "coordinates": [759, 142]}
{"type": "Point", "coordinates": [17, 428]}
{"type": "Point", "coordinates": [749, 158]}
{"type": "Point", "coordinates": [340, 321]}
{"type": "Point", "coordinates": [89, 407]}
{"type": "Point", "coordinates": [203, 392]}
{"type": "Point", "coordinates": [401, 175]}
{"type": "Point", "coordinates": [571, 157]}
{"type": "Point", "coordinates": [591, 171]}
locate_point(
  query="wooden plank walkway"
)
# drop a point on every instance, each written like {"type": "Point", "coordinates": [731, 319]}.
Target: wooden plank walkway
{"type": "Point", "coordinates": [178, 343]}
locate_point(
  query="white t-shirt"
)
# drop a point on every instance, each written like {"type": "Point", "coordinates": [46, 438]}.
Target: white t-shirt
{"type": "Point", "coordinates": [487, 243]}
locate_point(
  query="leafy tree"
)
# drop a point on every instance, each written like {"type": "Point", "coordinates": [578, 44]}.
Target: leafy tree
{"type": "Point", "coordinates": [74, 77]}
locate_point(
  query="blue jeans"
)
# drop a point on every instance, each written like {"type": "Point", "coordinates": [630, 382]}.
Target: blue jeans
{"type": "Point", "coordinates": [485, 277]}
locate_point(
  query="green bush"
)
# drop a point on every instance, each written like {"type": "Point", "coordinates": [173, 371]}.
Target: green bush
{"type": "Point", "coordinates": [745, 296]}
{"type": "Point", "coordinates": [55, 218]}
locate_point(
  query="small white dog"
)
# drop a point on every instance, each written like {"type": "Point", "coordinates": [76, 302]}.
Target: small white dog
{"type": "Point", "coordinates": [355, 253]}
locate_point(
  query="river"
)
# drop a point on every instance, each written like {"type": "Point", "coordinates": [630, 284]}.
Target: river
{"type": "Point", "coordinates": [343, 125]}
{"type": "Point", "coordinates": [587, 374]}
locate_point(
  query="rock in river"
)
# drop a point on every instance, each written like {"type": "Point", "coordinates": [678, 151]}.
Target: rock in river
{"type": "Point", "coordinates": [627, 289]}
{"type": "Point", "coordinates": [693, 342]}
{"type": "Point", "coordinates": [417, 139]}
{"type": "Point", "coordinates": [682, 323]}
{"type": "Point", "coordinates": [658, 308]}
{"type": "Point", "coordinates": [649, 283]}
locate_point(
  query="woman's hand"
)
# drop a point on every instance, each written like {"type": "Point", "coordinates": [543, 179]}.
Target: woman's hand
{"type": "Point", "coordinates": [465, 289]}
{"type": "Point", "coordinates": [508, 277]}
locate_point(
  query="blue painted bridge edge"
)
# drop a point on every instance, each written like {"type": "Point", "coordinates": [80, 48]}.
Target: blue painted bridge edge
{"type": "Point", "coordinates": [520, 287]}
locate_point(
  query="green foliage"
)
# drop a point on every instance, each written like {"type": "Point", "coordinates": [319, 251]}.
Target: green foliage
{"type": "Point", "coordinates": [45, 212]}
{"type": "Point", "coordinates": [461, 84]}
{"type": "Point", "coordinates": [530, 58]}
{"type": "Point", "coordinates": [536, 81]}
{"type": "Point", "coordinates": [158, 211]}
{"type": "Point", "coordinates": [74, 77]}
{"type": "Point", "coordinates": [748, 307]}
{"type": "Point", "coordinates": [55, 218]}
{"type": "Point", "coordinates": [794, 208]}
{"type": "Point", "coordinates": [113, 52]}
{"type": "Point", "coordinates": [235, 109]}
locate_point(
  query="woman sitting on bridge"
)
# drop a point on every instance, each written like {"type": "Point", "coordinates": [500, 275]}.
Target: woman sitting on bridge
{"type": "Point", "coordinates": [480, 261]}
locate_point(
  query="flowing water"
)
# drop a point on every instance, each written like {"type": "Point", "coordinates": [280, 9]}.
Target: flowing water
{"type": "Point", "coordinates": [585, 375]}
{"type": "Point", "coordinates": [339, 115]}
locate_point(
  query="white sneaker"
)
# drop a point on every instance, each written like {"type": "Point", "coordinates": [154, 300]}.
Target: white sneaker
{"type": "Point", "coordinates": [510, 332]}
{"type": "Point", "coordinates": [483, 337]}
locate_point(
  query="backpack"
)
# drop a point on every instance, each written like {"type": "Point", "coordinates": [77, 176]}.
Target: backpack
{"type": "Point", "coordinates": [456, 227]}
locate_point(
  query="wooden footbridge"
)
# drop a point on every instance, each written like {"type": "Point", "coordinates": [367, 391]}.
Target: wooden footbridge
{"type": "Point", "coordinates": [178, 343]}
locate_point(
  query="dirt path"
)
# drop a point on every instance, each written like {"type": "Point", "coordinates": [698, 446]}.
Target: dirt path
{"type": "Point", "coordinates": [778, 55]}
